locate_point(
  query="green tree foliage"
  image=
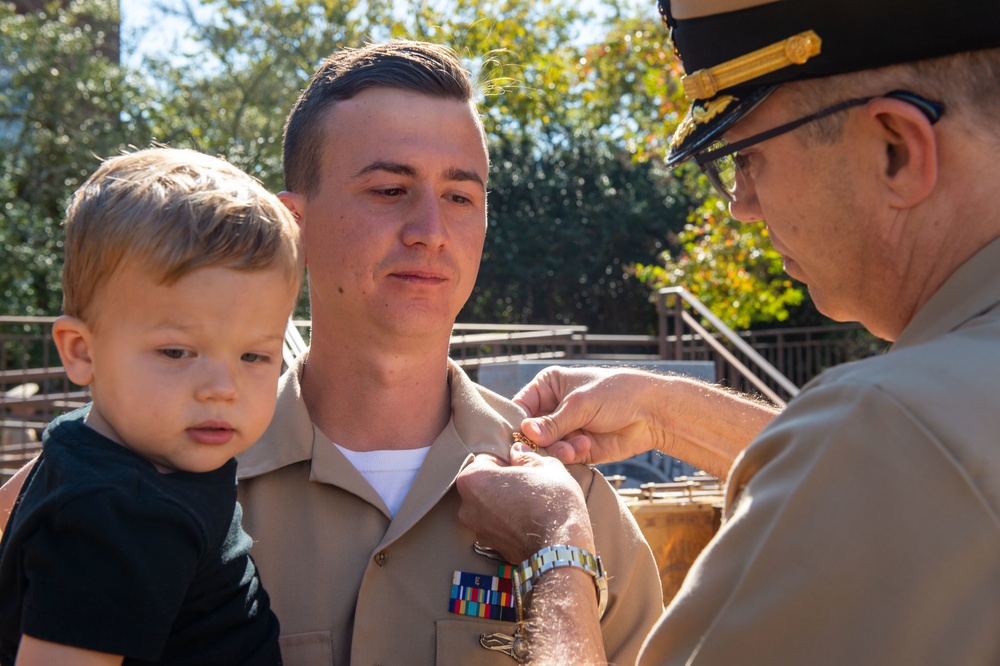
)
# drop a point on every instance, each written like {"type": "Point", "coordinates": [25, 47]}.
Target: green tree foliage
{"type": "Point", "coordinates": [583, 217]}
{"type": "Point", "coordinates": [230, 94]}
{"type": "Point", "coordinates": [730, 266]}
{"type": "Point", "coordinates": [564, 227]}
{"type": "Point", "coordinates": [64, 104]}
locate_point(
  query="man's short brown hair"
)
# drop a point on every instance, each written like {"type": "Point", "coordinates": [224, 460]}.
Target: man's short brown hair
{"type": "Point", "coordinates": [428, 69]}
{"type": "Point", "coordinates": [967, 83]}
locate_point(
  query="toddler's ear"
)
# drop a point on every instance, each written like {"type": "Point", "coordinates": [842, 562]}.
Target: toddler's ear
{"type": "Point", "coordinates": [73, 340]}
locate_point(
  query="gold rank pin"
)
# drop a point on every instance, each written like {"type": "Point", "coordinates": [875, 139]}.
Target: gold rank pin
{"type": "Point", "coordinates": [523, 439]}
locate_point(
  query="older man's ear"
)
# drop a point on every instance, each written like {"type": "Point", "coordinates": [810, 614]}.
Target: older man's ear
{"type": "Point", "coordinates": [909, 150]}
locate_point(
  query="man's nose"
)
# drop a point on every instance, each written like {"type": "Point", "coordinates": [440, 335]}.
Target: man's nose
{"type": "Point", "coordinates": [425, 224]}
{"type": "Point", "coordinates": [745, 206]}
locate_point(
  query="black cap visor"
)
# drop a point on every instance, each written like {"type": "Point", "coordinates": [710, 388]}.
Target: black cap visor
{"type": "Point", "coordinates": [707, 120]}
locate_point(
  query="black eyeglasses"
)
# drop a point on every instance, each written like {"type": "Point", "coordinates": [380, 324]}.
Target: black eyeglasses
{"type": "Point", "coordinates": [720, 161]}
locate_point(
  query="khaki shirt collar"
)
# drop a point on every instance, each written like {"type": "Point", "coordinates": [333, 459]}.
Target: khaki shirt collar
{"type": "Point", "coordinates": [481, 422]}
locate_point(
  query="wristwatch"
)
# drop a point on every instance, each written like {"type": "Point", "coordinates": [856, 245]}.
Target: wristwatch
{"type": "Point", "coordinates": [553, 557]}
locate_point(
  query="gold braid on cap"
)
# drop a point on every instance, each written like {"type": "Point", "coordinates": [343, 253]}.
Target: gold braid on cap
{"type": "Point", "coordinates": [699, 116]}
{"type": "Point", "coordinates": [795, 50]}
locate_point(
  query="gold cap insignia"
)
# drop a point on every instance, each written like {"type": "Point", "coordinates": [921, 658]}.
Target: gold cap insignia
{"type": "Point", "coordinates": [795, 50]}
{"type": "Point", "coordinates": [699, 116]}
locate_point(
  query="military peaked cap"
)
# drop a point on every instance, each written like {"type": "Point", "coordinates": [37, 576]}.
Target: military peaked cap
{"type": "Point", "coordinates": [736, 52]}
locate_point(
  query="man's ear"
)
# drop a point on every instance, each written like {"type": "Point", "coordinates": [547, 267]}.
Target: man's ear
{"type": "Point", "coordinates": [74, 341]}
{"type": "Point", "coordinates": [910, 168]}
{"type": "Point", "coordinates": [296, 204]}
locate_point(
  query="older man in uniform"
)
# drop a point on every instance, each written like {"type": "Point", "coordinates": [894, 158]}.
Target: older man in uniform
{"type": "Point", "coordinates": [862, 523]}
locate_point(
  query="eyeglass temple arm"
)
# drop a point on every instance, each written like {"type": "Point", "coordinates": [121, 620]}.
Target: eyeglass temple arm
{"type": "Point", "coordinates": [933, 111]}
{"type": "Point", "coordinates": [731, 148]}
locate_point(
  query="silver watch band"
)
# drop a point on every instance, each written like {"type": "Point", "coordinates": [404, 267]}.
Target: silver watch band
{"type": "Point", "coordinates": [553, 557]}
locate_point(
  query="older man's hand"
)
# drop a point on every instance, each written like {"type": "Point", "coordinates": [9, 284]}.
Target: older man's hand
{"type": "Point", "coordinates": [592, 415]}
{"type": "Point", "coordinates": [596, 415]}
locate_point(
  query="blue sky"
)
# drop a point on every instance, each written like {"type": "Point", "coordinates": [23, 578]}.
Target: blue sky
{"type": "Point", "coordinates": [147, 29]}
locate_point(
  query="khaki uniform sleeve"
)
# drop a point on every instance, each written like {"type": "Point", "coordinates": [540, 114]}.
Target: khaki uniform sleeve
{"type": "Point", "coordinates": [854, 537]}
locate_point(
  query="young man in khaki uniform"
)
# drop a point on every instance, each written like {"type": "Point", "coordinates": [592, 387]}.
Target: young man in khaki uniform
{"type": "Point", "coordinates": [350, 496]}
{"type": "Point", "coordinates": [862, 523]}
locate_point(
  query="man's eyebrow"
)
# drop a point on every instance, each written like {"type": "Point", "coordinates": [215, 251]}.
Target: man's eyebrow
{"type": "Point", "coordinates": [464, 175]}
{"type": "Point", "coordinates": [454, 173]}
{"type": "Point", "coordinates": [391, 167]}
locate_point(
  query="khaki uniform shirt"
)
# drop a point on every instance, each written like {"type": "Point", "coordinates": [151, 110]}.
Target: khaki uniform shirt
{"type": "Point", "coordinates": [350, 585]}
{"type": "Point", "coordinates": [863, 525]}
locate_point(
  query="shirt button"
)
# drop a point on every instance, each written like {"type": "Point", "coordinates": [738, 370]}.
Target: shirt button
{"type": "Point", "coordinates": [381, 558]}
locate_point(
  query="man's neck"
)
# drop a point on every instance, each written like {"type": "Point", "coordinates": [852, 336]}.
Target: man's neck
{"type": "Point", "coordinates": [927, 251]}
{"type": "Point", "coordinates": [369, 399]}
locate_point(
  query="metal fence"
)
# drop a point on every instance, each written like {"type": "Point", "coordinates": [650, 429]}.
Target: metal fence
{"type": "Point", "coordinates": [773, 363]}
{"type": "Point", "coordinates": [34, 389]}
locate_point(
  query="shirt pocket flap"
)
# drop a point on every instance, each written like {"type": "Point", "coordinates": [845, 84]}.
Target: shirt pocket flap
{"type": "Point", "coordinates": [314, 647]}
{"type": "Point", "coordinates": [458, 642]}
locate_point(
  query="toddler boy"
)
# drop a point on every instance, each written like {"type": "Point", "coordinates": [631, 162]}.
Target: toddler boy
{"type": "Point", "coordinates": [126, 543]}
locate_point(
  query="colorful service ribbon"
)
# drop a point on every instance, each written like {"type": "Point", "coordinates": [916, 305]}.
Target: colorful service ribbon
{"type": "Point", "coordinates": [481, 595]}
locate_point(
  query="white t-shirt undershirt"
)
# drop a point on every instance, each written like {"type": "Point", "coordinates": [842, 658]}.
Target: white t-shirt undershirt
{"type": "Point", "coordinates": [390, 473]}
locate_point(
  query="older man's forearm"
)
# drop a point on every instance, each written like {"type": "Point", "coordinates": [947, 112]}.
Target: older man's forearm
{"type": "Point", "coordinates": [703, 424]}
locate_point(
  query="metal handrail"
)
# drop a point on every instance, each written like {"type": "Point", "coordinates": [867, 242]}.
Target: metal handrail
{"type": "Point", "coordinates": [576, 328]}
{"type": "Point", "coordinates": [730, 358]}
{"type": "Point", "coordinates": [735, 340]}
{"type": "Point", "coordinates": [495, 335]}
{"type": "Point", "coordinates": [295, 345]}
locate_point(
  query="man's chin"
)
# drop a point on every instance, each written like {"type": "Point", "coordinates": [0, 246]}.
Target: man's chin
{"type": "Point", "coordinates": [836, 309]}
